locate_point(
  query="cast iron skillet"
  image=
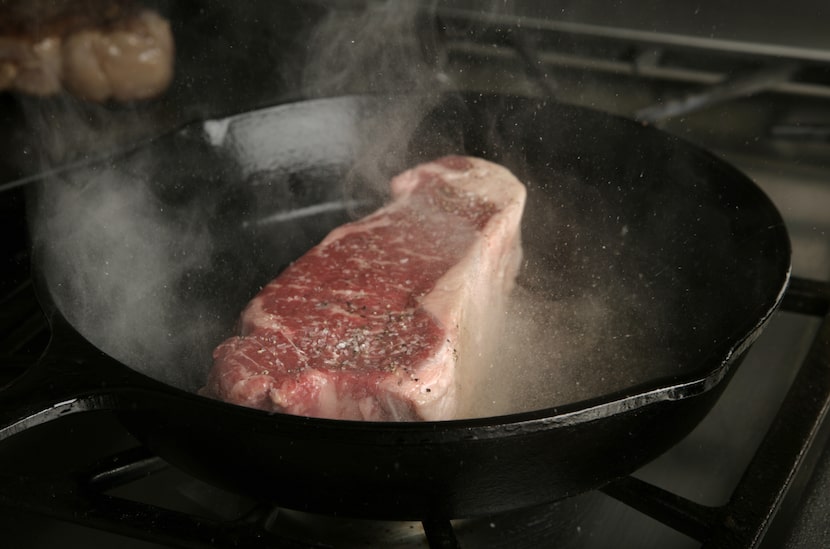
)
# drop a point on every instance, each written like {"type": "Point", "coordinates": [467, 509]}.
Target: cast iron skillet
{"type": "Point", "coordinates": [673, 248]}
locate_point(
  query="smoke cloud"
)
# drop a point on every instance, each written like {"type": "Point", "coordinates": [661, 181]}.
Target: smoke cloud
{"type": "Point", "coordinates": [137, 266]}
{"type": "Point", "coordinates": [382, 48]}
{"type": "Point", "coordinates": [115, 261]}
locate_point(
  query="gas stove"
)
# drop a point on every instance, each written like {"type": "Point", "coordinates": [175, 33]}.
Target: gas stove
{"type": "Point", "coordinates": [754, 473]}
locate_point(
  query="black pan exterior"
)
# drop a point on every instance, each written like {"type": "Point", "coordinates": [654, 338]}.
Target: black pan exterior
{"type": "Point", "coordinates": [409, 472]}
{"type": "Point", "coordinates": [699, 255]}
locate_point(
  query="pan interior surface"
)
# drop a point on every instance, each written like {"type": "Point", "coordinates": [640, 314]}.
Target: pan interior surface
{"type": "Point", "coordinates": [647, 264]}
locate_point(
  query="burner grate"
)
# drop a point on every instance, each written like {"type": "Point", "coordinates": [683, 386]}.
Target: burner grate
{"type": "Point", "coordinates": [762, 504]}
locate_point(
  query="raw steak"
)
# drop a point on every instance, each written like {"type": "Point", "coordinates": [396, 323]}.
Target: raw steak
{"type": "Point", "coordinates": [386, 318]}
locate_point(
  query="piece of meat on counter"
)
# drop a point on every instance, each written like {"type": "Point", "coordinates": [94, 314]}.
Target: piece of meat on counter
{"type": "Point", "coordinates": [96, 49]}
{"type": "Point", "coordinates": [387, 317]}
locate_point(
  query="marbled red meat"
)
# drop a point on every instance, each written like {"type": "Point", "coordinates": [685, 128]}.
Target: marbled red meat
{"type": "Point", "coordinates": [386, 317]}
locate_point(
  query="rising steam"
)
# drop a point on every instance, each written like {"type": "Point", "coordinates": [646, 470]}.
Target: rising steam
{"type": "Point", "coordinates": [114, 260]}
{"type": "Point", "coordinates": [120, 258]}
{"type": "Point", "coordinates": [386, 50]}
{"type": "Point", "coordinates": [380, 49]}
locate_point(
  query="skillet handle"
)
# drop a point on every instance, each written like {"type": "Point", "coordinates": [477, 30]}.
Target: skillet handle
{"type": "Point", "coordinates": [54, 388]}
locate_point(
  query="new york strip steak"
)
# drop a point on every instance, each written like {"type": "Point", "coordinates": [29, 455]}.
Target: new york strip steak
{"type": "Point", "coordinates": [388, 316]}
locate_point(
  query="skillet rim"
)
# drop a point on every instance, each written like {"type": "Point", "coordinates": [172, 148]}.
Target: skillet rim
{"type": "Point", "coordinates": [665, 388]}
